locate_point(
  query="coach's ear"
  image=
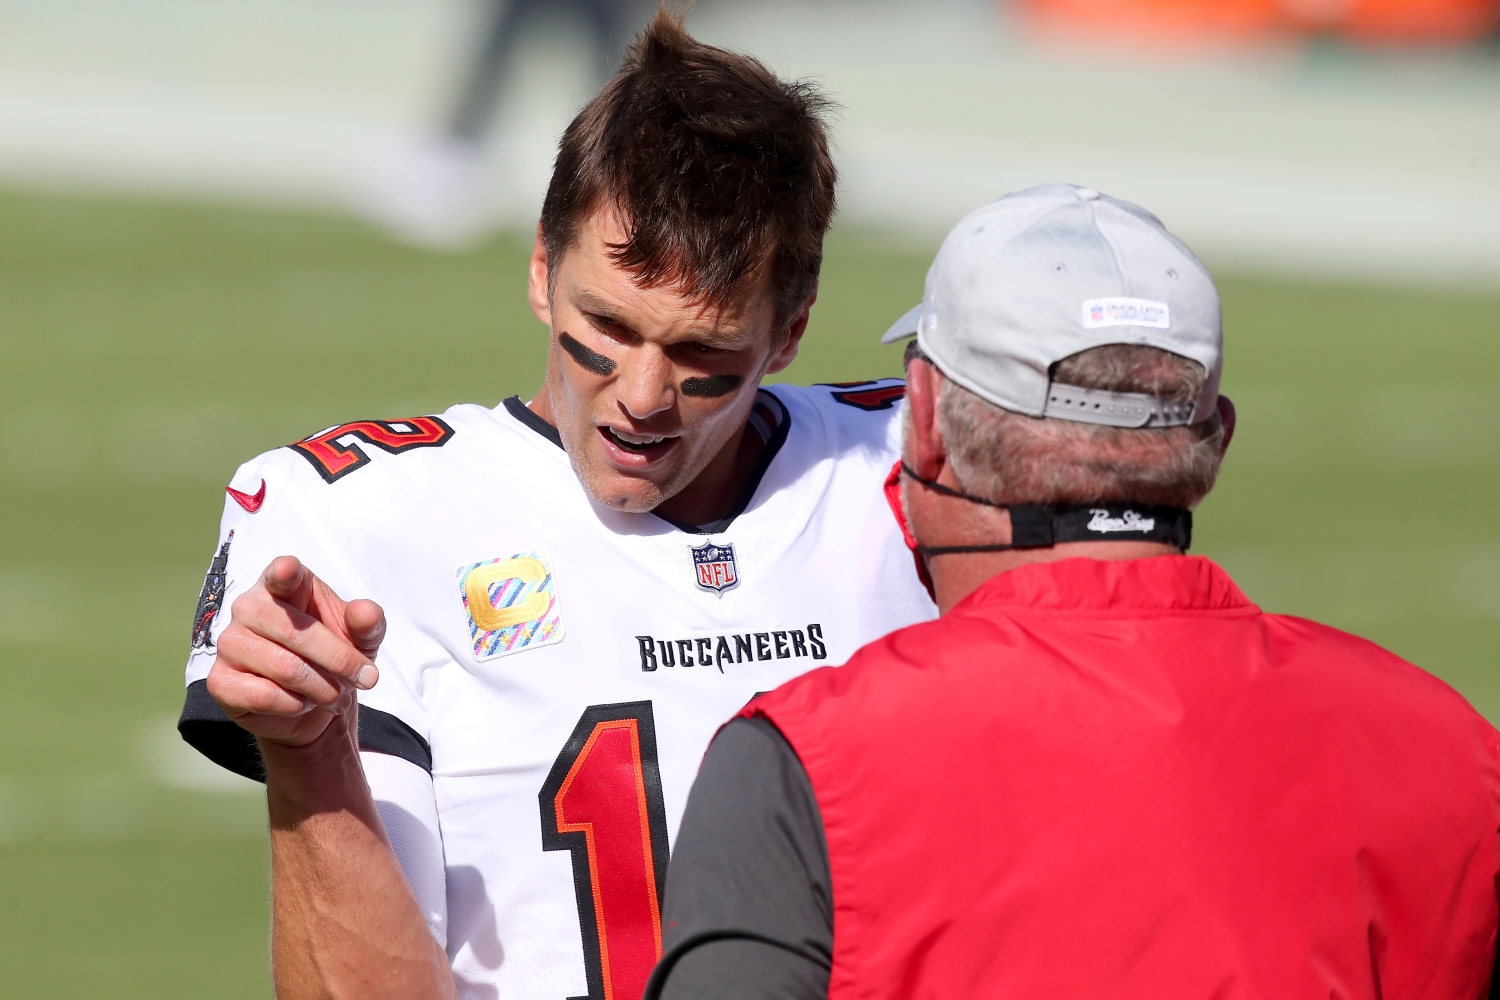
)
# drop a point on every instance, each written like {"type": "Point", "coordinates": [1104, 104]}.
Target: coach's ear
{"type": "Point", "coordinates": [1228, 417]}
{"type": "Point", "coordinates": [924, 449]}
{"type": "Point", "coordinates": [787, 352]}
{"type": "Point", "coordinates": [538, 289]}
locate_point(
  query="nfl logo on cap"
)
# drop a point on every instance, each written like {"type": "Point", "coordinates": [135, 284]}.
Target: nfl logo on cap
{"type": "Point", "coordinates": [714, 567]}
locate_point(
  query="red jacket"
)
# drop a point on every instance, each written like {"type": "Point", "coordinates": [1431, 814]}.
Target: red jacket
{"type": "Point", "coordinates": [1121, 779]}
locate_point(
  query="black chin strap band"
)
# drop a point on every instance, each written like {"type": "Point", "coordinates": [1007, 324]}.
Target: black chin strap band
{"type": "Point", "coordinates": [1040, 527]}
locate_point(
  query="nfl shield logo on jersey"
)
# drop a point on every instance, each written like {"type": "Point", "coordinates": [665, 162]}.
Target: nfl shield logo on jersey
{"type": "Point", "coordinates": [714, 567]}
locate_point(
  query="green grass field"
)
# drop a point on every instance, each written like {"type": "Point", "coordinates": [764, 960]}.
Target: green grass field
{"type": "Point", "coordinates": [146, 350]}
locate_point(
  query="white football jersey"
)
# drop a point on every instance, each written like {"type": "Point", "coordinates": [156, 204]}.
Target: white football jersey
{"type": "Point", "coordinates": [559, 668]}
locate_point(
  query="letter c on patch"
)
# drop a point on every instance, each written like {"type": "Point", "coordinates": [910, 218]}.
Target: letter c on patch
{"type": "Point", "coordinates": [477, 588]}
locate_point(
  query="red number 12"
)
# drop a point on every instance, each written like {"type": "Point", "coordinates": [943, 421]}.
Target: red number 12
{"type": "Point", "coordinates": [602, 803]}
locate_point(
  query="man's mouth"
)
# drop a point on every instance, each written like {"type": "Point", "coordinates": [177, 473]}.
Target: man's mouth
{"type": "Point", "coordinates": [650, 445]}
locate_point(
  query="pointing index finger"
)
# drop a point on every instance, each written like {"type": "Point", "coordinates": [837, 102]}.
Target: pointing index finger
{"type": "Point", "coordinates": [283, 576]}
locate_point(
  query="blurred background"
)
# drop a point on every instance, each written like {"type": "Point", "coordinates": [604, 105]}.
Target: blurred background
{"type": "Point", "coordinates": [225, 224]}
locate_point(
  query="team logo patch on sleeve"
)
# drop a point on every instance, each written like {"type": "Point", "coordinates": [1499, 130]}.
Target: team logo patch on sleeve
{"type": "Point", "coordinates": [511, 604]}
{"type": "Point", "coordinates": [211, 598]}
{"type": "Point", "coordinates": [714, 568]}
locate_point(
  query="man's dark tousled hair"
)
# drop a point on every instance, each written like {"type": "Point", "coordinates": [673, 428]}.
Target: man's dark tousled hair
{"type": "Point", "coordinates": [714, 166]}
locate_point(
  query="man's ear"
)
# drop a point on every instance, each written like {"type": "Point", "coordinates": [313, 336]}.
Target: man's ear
{"type": "Point", "coordinates": [924, 449]}
{"type": "Point", "coordinates": [1228, 417]}
{"type": "Point", "coordinates": [787, 352]}
{"type": "Point", "coordinates": [538, 287]}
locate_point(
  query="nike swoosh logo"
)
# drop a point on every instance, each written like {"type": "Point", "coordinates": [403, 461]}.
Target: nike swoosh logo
{"type": "Point", "coordinates": [250, 502]}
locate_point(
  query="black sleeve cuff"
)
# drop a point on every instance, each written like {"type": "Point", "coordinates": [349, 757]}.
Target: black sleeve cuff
{"type": "Point", "coordinates": [205, 727]}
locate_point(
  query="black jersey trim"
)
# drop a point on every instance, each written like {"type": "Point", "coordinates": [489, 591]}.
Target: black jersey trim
{"type": "Point", "coordinates": [762, 464]}
{"type": "Point", "coordinates": [519, 410]}
{"type": "Point", "coordinates": [204, 726]}
{"type": "Point", "coordinates": [382, 732]}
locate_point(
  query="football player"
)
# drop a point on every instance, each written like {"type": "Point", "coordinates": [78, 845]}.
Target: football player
{"type": "Point", "coordinates": [474, 770]}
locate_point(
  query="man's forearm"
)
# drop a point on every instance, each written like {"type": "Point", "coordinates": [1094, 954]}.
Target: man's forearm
{"type": "Point", "coordinates": [344, 923]}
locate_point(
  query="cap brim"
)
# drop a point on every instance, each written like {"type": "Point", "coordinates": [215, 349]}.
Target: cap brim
{"type": "Point", "coordinates": [904, 327]}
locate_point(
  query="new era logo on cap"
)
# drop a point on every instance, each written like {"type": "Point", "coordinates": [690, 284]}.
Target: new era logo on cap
{"type": "Point", "coordinates": [1099, 313]}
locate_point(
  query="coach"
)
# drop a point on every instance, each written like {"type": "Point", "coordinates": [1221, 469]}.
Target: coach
{"type": "Point", "coordinates": [1102, 772]}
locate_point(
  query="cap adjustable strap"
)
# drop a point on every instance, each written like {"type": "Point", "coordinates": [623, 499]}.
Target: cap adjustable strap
{"type": "Point", "coordinates": [1115, 409]}
{"type": "Point", "coordinates": [1035, 526]}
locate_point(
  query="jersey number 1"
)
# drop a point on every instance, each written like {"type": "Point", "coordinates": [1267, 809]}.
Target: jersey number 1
{"type": "Point", "coordinates": [602, 803]}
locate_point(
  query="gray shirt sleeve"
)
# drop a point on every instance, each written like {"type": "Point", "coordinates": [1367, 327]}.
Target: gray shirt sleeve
{"type": "Point", "coordinates": [749, 902]}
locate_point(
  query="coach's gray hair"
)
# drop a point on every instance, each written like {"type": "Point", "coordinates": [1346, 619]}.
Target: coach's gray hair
{"type": "Point", "coordinates": [1010, 458]}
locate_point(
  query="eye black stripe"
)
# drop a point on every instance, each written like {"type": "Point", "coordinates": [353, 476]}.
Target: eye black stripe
{"type": "Point", "coordinates": [711, 386]}
{"type": "Point", "coordinates": [588, 359]}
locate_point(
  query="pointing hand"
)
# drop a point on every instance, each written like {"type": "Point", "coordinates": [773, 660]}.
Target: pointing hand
{"type": "Point", "coordinates": [294, 654]}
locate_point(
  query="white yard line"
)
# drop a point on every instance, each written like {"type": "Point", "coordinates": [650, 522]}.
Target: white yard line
{"type": "Point", "coordinates": [170, 793]}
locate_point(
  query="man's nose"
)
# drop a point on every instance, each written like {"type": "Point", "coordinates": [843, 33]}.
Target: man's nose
{"type": "Point", "coordinates": [644, 386]}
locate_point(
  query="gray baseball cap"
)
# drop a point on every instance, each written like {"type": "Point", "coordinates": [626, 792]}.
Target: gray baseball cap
{"type": "Point", "coordinates": [1042, 274]}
